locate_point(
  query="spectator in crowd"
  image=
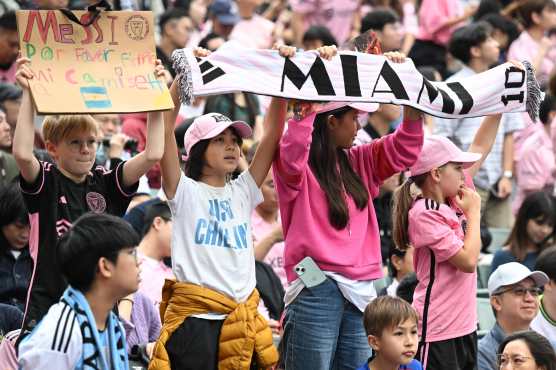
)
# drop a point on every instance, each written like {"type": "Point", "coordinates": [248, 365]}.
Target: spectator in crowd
{"type": "Point", "coordinates": [475, 47]}
{"type": "Point", "coordinates": [224, 16]}
{"type": "Point", "coordinates": [534, 230]}
{"type": "Point", "coordinates": [316, 37]}
{"type": "Point", "coordinates": [535, 164]}
{"type": "Point", "coordinates": [16, 265]}
{"type": "Point", "coordinates": [324, 193]}
{"type": "Point", "coordinates": [391, 327]}
{"type": "Point", "coordinates": [338, 16]}
{"type": "Point", "coordinates": [153, 249]}
{"type": "Point", "coordinates": [513, 291]}
{"type": "Point", "coordinates": [252, 31]}
{"type": "Point", "coordinates": [141, 321]}
{"type": "Point", "coordinates": [504, 31]}
{"type": "Point", "coordinates": [5, 133]}
{"type": "Point", "coordinates": [10, 100]}
{"type": "Point", "coordinates": [212, 41]}
{"type": "Point", "coordinates": [400, 264]}
{"type": "Point", "coordinates": [386, 24]}
{"type": "Point", "coordinates": [56, 194]}
{"type": "Point", "coordinates": [98, 258]}
{"type": "Point", "coordinates": [407, 286]}
{"type": "Point", "coordinates": [545, 322]}
{"type": "Point", "coordinates": [51, 4]}
{"type": "Point", "coordinates": [487, 7]}
{"type": "Point", "coordinates": [239, 106]}
{"type": "Point", "coordinates": [268, 236]}
{"type": "Point", "coordinates": [526, 350]}
{"type": "Point", "coordinates": [437, 21]}
{"type": "Point", "coordinates": [175, 28]}
{"type": "Point", "coordinates": [9, 46]}
{"type": "Point", "coordinates": [537, 17]}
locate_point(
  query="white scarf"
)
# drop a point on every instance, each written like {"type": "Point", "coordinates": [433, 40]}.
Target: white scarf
{"type": "Point", "coordinates": [355, 77]}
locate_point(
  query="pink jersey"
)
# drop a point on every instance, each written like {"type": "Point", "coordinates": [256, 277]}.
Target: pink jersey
{"type": "Point", "coordinates": [526, 48]}
{"type": "Point", "coordinates": [444, 296]}
{"type": "Point", "coordinates": [153, 273]}
{"type": "Point", "coordinates": [432, 15]}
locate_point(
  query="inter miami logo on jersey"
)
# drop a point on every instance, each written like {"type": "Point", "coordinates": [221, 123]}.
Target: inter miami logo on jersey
{"type": "Point", "coordinates": [209, 72]}
{"type": "Point", "coordinates": [220, 117]}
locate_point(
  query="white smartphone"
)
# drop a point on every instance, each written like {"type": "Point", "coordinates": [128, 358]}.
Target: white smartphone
{"type": "Point", "coordinates": [309, 272]}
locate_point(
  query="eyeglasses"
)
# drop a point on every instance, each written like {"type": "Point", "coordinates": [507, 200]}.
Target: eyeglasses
{"type": "Point", "coordinates": [521, 291]}
{"type": "Point", "coordinates": [517, 361]}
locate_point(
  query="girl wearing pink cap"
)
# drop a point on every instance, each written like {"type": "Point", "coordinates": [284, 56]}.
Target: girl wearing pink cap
{"type": "Point", "coordinates": [325, 186]}
{"type": "Point", "coordinates": [442, 223]}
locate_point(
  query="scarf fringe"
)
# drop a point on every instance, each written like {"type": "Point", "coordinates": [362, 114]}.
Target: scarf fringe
{"type": "Point", "coordinates": [183, 73]}
{"type": "Point", "coordinates": [534, 93]}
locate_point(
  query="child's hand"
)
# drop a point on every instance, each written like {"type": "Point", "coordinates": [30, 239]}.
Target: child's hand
{"type": "Point", "coordinates": [284, 50]}
{"type": "Point", "coordinates": [395, 56]}
{"type": "Point", "coordinates": [23, 73]}
{"type": "Point", "coordinates": [327, 52]}
{"type": "Point", "coordinates": [161, 72]}
{"type": "Point", "coordinates": [201, 52]}
{"type": "Point", "coordinates": [469, 201]}
{"type": "Point", "coordinates": [304, 108]}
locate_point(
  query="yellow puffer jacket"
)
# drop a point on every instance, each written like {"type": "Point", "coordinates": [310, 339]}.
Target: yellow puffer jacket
{"type": "Point", "coordinates": [244, 331]}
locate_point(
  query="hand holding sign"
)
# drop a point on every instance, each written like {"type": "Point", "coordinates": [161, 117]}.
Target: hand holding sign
{"type": "Point", "coordinates": [24, 73]}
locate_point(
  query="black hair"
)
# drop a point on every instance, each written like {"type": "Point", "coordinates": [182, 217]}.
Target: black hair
{"type": "Point", "coordinates": [503, 24]}
{"type": "Point", "coordinates": [8, 21]}
{"type": "Point", "coordinates": [333, 171]}
{"type": "Point", "coordinates": [547, 105]}
{"type": "Point", "coordinates": [9, 92]}
{"type": "Point", "coordinates": [525, 9]}
{"type": "Point", "coordinates": [407, 286]}
{"type": "Point", "coordinates": [376, 19]}
{"type": "Point", "coordinates": [540, 348]}
{"type": "Point", "coordinates": [428, 72]}
{"type": "Point", "coordinates": [181, 129]}
{"type": "Point", "coordinates": [487, 7]}
{"type": "Point", "coordinates": [208, 38]}
{"type": "Point", "coordinates": [169, 15]}
{"type": "Point", "coordinates": [196, 158]}
{"type": "Point", "coordinates": [12, 205]}
{"type": "Point", "coordinates": [157, 209]}
{"type": "Point", "coordinates": [394, 252]}
{"type": "Point", "coordinates": [546, 262]}
{"type": "Point", "coordinates": [91, 237]}
{"type": "Point", "coordinates": [538, 206]}
{"type": "Point", "coordinates": [466, 37]}
{"type": "Point", "coordinates": [321, 33]}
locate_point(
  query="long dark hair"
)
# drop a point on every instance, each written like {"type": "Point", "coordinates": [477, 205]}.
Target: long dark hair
{"type": "Point", "coordinates": [538, 206]}
{"type": "Point", "coordinates": [402, 202]}
{"type": "Point", "coordinates": [325, 160]}
{"type": "Point", "coordinates": [539, 346]}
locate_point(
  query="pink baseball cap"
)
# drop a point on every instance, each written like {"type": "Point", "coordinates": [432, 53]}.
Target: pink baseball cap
{"type": "Point", "coordinates": [210, 125]}
{"type": "Point", "coordinates": [363, 107]}
{"type": "Point", "coordinates": [437, 151]}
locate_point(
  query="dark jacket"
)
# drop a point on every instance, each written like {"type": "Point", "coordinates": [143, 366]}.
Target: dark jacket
{"type": "Point", "coordinates": [15, 275]}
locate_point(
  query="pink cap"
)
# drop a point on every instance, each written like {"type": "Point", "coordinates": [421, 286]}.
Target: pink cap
{"type": "Point", "coordinates": [210, 125]}
{"type": "Point", "coordinates": [363, 107]}
{"type": "Point", "coordinates": [437, 151]}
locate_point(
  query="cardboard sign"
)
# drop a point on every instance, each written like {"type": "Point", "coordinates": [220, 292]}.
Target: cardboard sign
{"type": "Point", "coordinates": [107, 67]}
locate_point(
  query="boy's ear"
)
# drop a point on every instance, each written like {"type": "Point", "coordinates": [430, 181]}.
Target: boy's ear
{"type": "Point", "coordinates": [475, 51]}
{"type": "Point", "coordinates": [51, 148]}
{"type": "Point", "coordinates": [105, 267]}
{"type": "Point", "coordinates": [374, 342]}
{"type": "Point", "coordinates": [495, 303]}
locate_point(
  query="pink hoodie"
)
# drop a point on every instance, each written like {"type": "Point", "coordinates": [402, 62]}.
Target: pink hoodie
{"type": "Point", "coordinates": [354, 251]}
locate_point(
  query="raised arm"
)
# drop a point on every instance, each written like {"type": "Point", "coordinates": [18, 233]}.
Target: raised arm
{"type": "Point", "coordinates": [170, 163]}
{"type": "Point", "coordinates": [24, 136]}
{"type": "Point", "coordinates": [154, 146]}
{"type": "Point", "coordinates": [484, 140]}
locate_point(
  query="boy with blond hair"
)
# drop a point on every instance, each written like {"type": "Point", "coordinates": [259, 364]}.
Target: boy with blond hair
{"type": "Point", "coordinates": [391, 327]}
{"type": "Point", "coordinates": [58, 193]}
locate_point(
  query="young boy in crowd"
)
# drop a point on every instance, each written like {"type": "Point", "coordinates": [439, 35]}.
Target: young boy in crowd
{"type": "Point", "coordinates": [391, 327]}
{"type": "Point", "coordinates": [97, 256]}
{"type": "Point", "coordinates": [57, 194]}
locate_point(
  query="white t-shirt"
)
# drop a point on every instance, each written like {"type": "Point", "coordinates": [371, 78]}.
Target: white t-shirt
{"type": "Point", "coordinates": [211, 236]}
{"type": "Point", "coordinates": [544, 325]}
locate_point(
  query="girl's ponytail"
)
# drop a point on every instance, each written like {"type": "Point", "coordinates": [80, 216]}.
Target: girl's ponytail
{"type": "Point", "coordinates": [402, 201]}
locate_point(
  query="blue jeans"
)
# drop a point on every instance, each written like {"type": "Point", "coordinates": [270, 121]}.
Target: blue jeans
{"type": "Point", "coordinates": [322, 330]}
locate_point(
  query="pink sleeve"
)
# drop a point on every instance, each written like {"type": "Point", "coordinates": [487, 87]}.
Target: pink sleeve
{"type": "Point", "coordinates": [436, 229]}
{"type": "Point", "coordinates": [533, 171]}
{"type": "Point", "coordinates": [304, 6]}
{"type": "Point", "coordinates": [390, 154]}
{"type": "Point", "coordinates": [433, 14]}
{"type": "Point", "coordinates": [293, 152]}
